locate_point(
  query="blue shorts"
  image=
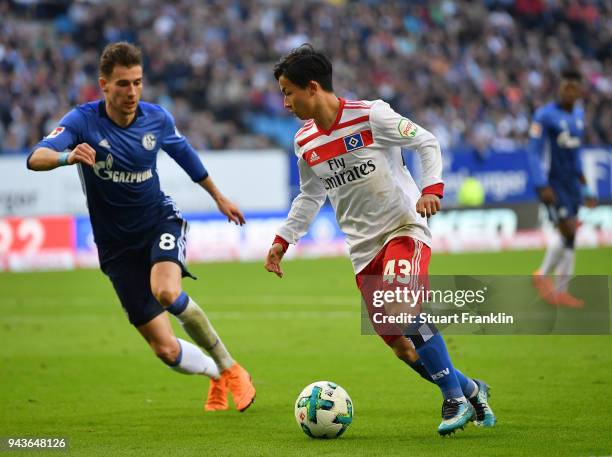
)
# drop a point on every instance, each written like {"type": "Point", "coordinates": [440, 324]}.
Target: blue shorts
{"type": "Point", "coordinates": [566, 206]}
{"type": "Point", "coordinates": [129, 268]}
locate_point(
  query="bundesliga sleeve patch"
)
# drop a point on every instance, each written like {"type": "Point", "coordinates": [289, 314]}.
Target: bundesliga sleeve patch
{"type": "Point", "coordinates": [406, 128]}
{"type": "Point", "coordinates": [57, 131]}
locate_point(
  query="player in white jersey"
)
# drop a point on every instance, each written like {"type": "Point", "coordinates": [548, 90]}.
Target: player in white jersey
{"type": "Point", "coordinates": [350, 151]}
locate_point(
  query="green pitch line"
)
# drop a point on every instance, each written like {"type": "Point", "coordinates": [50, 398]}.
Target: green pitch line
{"type": "Point", "coordinates": [72, 366]}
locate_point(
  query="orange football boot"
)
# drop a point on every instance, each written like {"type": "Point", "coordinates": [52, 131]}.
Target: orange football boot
{"type": "Point", "coordinates": [217, 395]}
{"type": "Point", "coordinates": [240, 385]}
{"type": "Point", "coordinates": [568, 300]}
{"type": "Point", "coordinates": [545, 286]}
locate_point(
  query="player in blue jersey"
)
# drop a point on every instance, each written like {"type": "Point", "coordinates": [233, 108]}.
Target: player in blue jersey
{"type": "Point", "coordinates": [139, 232]}
{"type": "Point", "coordinates": [554, 158]}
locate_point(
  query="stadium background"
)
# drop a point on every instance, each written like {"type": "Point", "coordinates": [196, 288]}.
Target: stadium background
{"type": "Point", "coordinates": [471, 72]}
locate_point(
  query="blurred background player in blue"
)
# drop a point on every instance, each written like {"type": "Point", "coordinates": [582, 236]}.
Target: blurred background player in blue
{"type": "Point", "coordinates": [139, 232]}
{"type": "Point", "coordinates": [554, 157]}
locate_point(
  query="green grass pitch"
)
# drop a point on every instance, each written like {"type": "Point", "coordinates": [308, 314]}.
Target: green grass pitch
{"type": "Point", "coordinates": [72, 366]}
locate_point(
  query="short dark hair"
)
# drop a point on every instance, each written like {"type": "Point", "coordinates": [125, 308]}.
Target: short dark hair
{"type": "Point", "coordinates": [120, 53]}
{"type": "Point", "coordinates": [303, 65]}
{"type": "Point", "coordinates": [571, 74]}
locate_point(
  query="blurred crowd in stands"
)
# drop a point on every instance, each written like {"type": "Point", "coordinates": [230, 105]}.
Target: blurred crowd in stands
{"type": "Point", "coordinates": [470, 71]}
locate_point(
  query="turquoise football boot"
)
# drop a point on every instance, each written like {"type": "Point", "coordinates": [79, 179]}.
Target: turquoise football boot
{"type": "Point", "coordinates": [455, 414]}
{"type": "Point", "coordinates": [483, 416]}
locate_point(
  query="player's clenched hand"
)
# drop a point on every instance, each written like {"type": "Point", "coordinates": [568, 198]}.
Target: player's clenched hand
{"type": "Point", "coordinates": [428, 205]}
{"type": "Point", "coordinates": [275, 255]}
{"type": "Point", "coordinates": [547, 195]}
{"type": "Point", "coordinates": [84, 154]}
{"type": "Point", "coordinates": [232, 212]}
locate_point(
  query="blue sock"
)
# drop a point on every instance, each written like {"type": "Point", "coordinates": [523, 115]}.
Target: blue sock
{"type": "Point", "coordinates": [179, 304]}
{"type": "Point", "coordinates": [433, 353]}
{"type": "Point", "coordinates": [421, 370]}
{"type": "Point", "coordinates": [468, 386]}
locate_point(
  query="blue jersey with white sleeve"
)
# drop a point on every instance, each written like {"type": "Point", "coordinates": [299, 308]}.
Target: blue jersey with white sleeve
{"type": "Point", "coordinates": [555, 139]}
{"type": "Point", "coordinates": [123, 191]}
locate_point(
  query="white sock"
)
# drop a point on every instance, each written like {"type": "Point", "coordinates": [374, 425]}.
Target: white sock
{"type": "Point", "coordinates": [475, 390]}
{"type": "Point", "coordinates": [565, 269]}
{"type": "Point", "coordinates": [554, 251]}
{"type": "Point", "coordinates": [199, 328]}
{"type": "Point", "coordinates": [194, 361]}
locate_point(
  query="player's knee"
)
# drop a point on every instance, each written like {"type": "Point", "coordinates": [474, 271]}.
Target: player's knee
{"type": "Point", "coordinates": [405, 355]}
{"type": "Point", "coordinates": [166, 295]}
{"type": "Point", "coordinates": [167, 352]}
{"type": "Point", "coordinates": [400, 354]}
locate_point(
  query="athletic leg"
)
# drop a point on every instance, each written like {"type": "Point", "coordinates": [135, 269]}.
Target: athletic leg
{"type": "Point", "coordinates": [565, 268]}
{"type": "Point", "coordinates": [180, 355]}
{"type": "Point", "coordinates": [166, 288]}
{"type": "Point", "coordinates": [552, 257]}
{"type": "Point", "coordinates": [404, 350]}
{"type": "Point", "coordinates": [554, 252]}
{"type": "Point", "coordinates": [130, 276]}
{"type": "Point", "coordinates": [407, 260]}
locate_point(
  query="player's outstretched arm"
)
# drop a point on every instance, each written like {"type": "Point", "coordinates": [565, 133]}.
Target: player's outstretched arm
{"type": "Point", "coordinates": [273, 260]}
{"type": "Point", "coordinates": [226, 207]}
{"type": "Point", "coordinates": [303, 211]}
{"type": "Point", "coordinates": [43, 159]}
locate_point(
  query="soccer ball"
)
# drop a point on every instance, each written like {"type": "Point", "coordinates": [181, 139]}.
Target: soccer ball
{"type": "Point", "coordinates": [323, 410]}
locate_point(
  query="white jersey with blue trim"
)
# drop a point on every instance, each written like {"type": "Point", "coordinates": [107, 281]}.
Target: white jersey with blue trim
{"type": "Point", "coordinates": [358, 164]}
{"type": "Point", "coordinates": [122, 188]}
